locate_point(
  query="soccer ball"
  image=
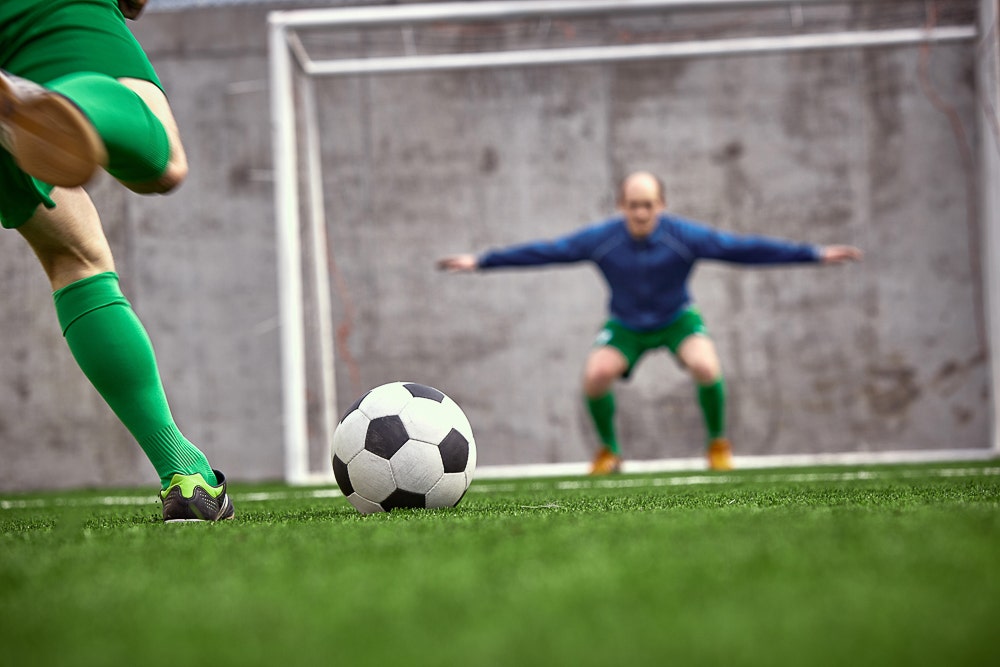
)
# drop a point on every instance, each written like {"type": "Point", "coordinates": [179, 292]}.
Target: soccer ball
{"type": "Point", "coordinates": [403, 444]}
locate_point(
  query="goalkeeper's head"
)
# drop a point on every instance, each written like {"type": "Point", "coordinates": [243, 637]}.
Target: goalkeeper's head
{"type": "Point", "coordinates": [641, 200]}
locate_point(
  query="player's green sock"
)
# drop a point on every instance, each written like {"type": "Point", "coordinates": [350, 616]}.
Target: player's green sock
{"type": "Point", "coordinates": [137, 143]}
{"type": "Point", "coordinates": [602, 411]}
{"type": "Point", "coordinates": [712, 398]}
{"type": "Point", "coordinates": [112, 348]}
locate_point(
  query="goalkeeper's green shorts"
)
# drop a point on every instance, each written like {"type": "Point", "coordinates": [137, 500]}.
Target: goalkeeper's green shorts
{"type": "Point", "coordinates": [634, 344]}
{"type": "Point", "coordinates": [43, 40]}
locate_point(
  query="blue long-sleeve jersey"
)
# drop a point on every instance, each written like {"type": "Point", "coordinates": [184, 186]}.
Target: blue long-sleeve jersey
{"type": "Point", "coordinates": [648, 278]}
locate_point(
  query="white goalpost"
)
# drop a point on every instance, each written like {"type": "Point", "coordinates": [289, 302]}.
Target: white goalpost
{"type": "Point", "coordinates": [300, 214]}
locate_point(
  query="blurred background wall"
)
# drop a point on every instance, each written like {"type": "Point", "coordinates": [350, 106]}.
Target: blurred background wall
{"type": "Point", "coordinates": [874, 147]}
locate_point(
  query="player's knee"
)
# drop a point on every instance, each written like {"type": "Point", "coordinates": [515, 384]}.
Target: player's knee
{"type": "Point", "coordinates": [704, 371]}
{"type": "Point", "coordinates": [597, 381]}
{"type": "Point", "coordinates": [169, 180]}
{"type": "Point", "coordinates": [174, 175]}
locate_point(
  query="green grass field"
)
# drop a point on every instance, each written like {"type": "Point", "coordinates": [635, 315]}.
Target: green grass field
{"type": "Point", "coordinates": [884, 565]}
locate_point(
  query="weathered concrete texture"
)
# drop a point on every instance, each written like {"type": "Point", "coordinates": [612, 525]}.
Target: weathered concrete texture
{"type": "Point", "coordinates": [198, 266]}
{"type": "Point", "coordinates": [839, 147]}
{"type": "Point", "coordinates": [988, 94]}
{"type": "Point", "coordinates": [824, 147]}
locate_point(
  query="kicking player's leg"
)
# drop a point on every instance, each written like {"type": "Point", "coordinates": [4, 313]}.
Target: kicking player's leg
{"type": "Point", "coordinates": [112, 348]}
{"type": "Point", "coordinates": [604, 366]}
{"type": "Point", "coordinates": [176, 169]}
{"type": "Point", "coordinates": [698, 354]}
{"type": "Point", "coordinates": [61, 133]}
{"type": "Point", "coordinates": [78, 93]}
{"type": "Point", "coordinates": [135, 124]}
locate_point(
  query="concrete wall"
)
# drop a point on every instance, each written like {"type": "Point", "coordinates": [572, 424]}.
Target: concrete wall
{"type": "Point", "coordinates": [988, 93]}
{"type": "Point", "coordinates": [839, 147]}
{"type": "Point", "coordinates": [198, 266]}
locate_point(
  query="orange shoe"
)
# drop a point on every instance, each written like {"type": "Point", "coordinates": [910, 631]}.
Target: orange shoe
{"type": "Point", "coordinates": [720, 454]}
{"type": "Point", "coordinates": [606, 462]}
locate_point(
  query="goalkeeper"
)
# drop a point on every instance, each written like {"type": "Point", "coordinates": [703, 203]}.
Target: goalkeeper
{"type": "Point", "coordinates": [646, 257]}
{"type": "Point", "coordinates": [78, 94]}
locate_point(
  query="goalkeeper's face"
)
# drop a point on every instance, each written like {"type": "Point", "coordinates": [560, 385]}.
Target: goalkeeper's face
{"type": "Point", "coordinates": [642, 202]}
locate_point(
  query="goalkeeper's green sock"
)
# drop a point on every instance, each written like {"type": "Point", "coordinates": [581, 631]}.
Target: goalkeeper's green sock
{"type": "Point", "coordinates": [712, 399]}
{"type": "Point", "coordinates": [112, 348]}
{"type": "Point", "coordinates": [137, 143]}
{"type": "Point", "coordinates": [602, 412]}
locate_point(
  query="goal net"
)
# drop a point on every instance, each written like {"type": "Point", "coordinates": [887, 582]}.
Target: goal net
{"type": "Point", "coordinates": [406, 132]}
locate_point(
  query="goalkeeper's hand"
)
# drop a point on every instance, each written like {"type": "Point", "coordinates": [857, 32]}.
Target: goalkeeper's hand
{"type": "Point", "coordinates": [131, 8]}
{"type": "Point", "coordinates": [458, 263]}
{"type": "Point", "coordinates": [838, 254]}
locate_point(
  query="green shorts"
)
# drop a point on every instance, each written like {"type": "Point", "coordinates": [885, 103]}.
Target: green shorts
{"type": "Point", "coordinates": [43, 40]}
{"type": "Point", "coordinates": [634, 344]}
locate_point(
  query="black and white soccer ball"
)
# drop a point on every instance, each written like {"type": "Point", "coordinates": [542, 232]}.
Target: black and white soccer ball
{"type": "Point", "coordinates": [403, 444]}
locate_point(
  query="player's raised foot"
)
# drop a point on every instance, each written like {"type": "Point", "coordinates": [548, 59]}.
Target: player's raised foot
{"type": "Point", "coordinates": [606, 462]}
{"type": "Point", "coordinates": [191, 498]}
{"type": "Point", "coordinates": [720, 454]}
{"type": "Point", "coordinates": [49, 136]}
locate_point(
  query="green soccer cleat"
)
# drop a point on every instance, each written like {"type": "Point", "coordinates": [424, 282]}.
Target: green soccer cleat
{"type": "Point", "coordinates": [191, 498]}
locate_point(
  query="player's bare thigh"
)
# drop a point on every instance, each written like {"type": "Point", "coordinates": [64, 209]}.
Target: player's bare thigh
{"type": "Point", "coordinates": [68, 239]}
{"type": "Point", "coordinates": [698, 354]}
{"type": "Point", "coordinates": [604, 366]}
{"type": "Point", "coordinates": [177, 167]}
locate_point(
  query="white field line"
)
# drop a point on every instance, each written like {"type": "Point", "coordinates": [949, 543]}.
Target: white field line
{"type": "Point", "coordinates": [696, 480]}
{"type": "Point", "coordinates": [617, 482]}
{"type": "Point", "coordinates": [522, 471]}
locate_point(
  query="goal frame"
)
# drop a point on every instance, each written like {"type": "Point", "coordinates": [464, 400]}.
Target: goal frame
{"type": "Point", "coordinates": [287, 57]}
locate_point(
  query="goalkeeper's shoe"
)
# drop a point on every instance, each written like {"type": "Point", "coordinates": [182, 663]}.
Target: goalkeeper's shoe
{"type": "Point", "coordinates": [720, 454]}
{"type": "Point", "coordinates": [191, 498]}
{"type": "Point", "coordinates": [606, 462]}
{"type": "Point", "coordinates": [49, 136]}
